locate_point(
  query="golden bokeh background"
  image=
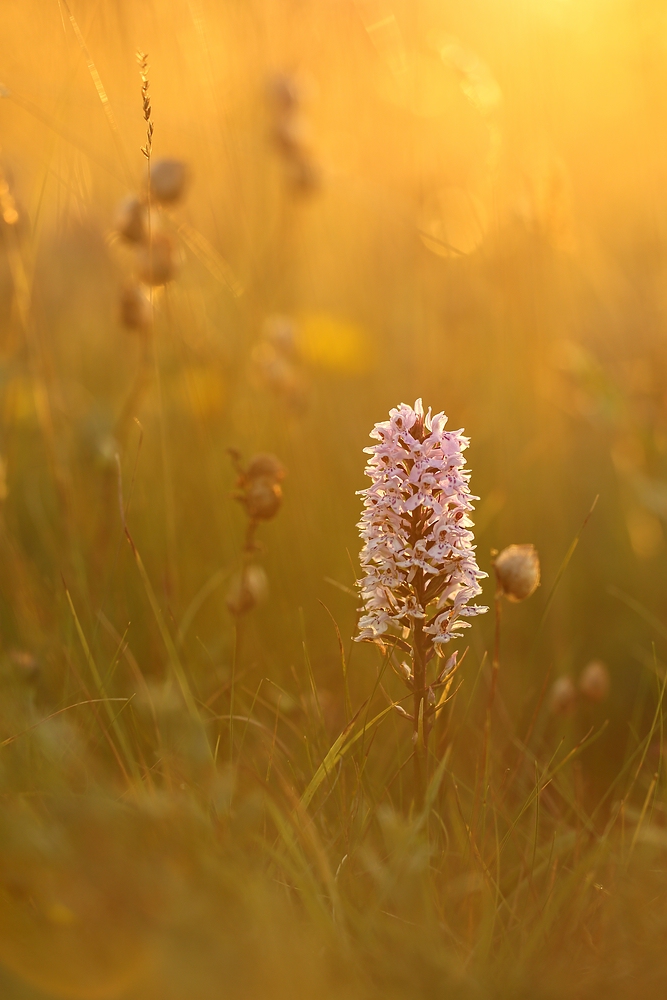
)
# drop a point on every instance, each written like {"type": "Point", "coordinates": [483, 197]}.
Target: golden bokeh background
{"type": "Point", "coordinates": [387, 199]}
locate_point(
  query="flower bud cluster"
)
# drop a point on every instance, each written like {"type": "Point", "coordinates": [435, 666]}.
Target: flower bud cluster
{"type": "Point", "coordinates": [418, 557]}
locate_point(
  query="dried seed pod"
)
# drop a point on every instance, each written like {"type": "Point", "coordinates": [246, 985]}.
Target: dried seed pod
{"type": "Point", "coordinates": [594, 682]}
{"type": "Point", "coordinates": [136, 311]}
{"type": "Point", "coordinates": [563, 696]}
{"type": "Point", "coordinates": [518, 571]}
{"type": "Point", "coordinates": [264, 466]}
{"type": "Point", "coordinates": [169, 179]}
{"type": "Point", "coordinates": [157, 263]}
{"type": "Point", "coordinates": [261, 498]}
{"type": "Point", "coordinates": [247, 589]}
{"type": "Point", "coordinates": [132, 219]}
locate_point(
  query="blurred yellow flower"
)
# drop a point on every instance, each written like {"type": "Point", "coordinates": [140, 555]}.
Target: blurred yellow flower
{"type": "Point", "coordinates": [334, 343]}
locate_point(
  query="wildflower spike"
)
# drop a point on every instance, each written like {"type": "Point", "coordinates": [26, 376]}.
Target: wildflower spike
{"type": "Point", "coordinates": [418, 556]}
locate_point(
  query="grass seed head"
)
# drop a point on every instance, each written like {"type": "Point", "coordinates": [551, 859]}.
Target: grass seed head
{"type": "Point", "coordinates": [517, 570]}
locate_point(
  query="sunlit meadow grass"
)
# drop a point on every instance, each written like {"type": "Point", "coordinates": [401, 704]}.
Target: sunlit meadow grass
{"type": "Point", "coordinates": [206, 788]}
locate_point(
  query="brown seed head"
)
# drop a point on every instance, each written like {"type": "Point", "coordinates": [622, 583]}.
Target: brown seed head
{"type": "Point", "coordinates": [518, 571]}
{"type": "Point", "coordinates": [136, 311]}
{"type": "Point", "coordinates": [261, 498]}
{"type": "Point", "coordinates": [157, 263]}
{"type": "Point", "coordinates": [563, 696]}
{"type": "Point", "coordinates": [247, 590]}
{"type": "Point", "coordinates": [169, 180]}
{"type": "Point", "coordinates": [131, 219]}
{"type": "Point", "coordinates": [594, 682]}
{"type": "Point", "coordinates": [264, 466]}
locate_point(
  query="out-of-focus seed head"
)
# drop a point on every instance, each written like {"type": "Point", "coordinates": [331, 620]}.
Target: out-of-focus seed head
{"type": "Point", "coordinates": [258, 485]}
{"type": "Point", "coordinates": [132, 219]}
{"type": "Point", "coordinates": [563, 696]}
{"type": "Point", "coordinates": [157, 262]}
{"type": "Point", "coordinates": [169, 180]}
{"type": "Point", "coordinates": [247, 589]}
{"type": "Point", "coordinates": [264, 466]}
{"type": "Point", "coordinates": [136, 311]}
{"type": "Point", "coordinates": [261, 497]}
{"type": "Point", "coordinates": [518, 571]}
{"type": "Point", "coordinates": [594, 682]}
